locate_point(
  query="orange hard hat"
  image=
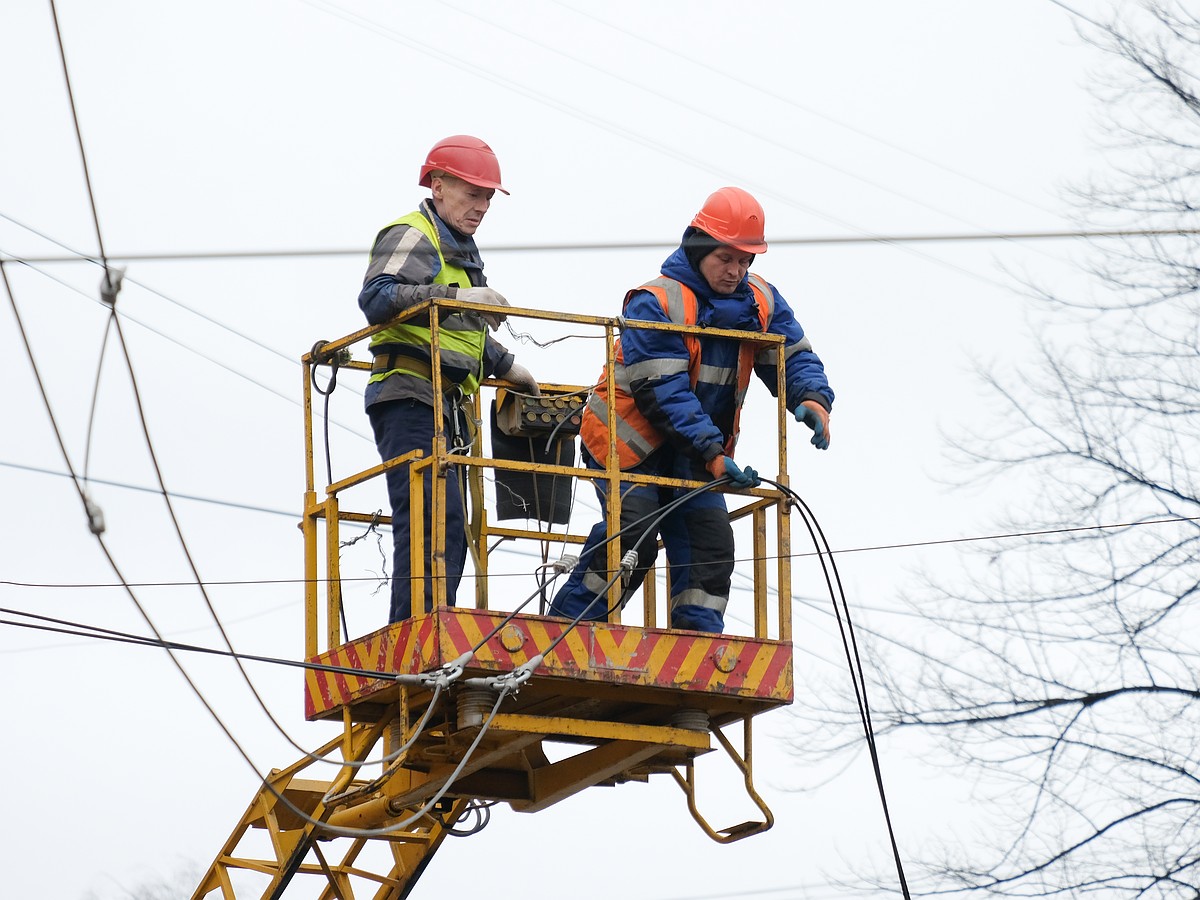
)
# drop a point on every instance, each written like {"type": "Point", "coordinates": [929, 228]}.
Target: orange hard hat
{"type": "Point", "coordinates": [465, 157]}
{"type": "Point", "coordinates": [733, 217]}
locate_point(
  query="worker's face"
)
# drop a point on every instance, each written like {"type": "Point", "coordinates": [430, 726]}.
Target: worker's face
{"type": "Point", "coordinates": [460, 204]}
{"type": "Point", "coordinates": [725, 268]}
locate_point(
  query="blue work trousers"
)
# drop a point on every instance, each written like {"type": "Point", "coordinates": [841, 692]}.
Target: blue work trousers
{"type": "Point", "coordinates": [401, 426]}
{"type": "Point", "coordinates": [696, 535]}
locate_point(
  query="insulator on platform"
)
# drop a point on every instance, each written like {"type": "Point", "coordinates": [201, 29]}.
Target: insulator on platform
{"type": "Point", "coordinates": [473, 706]}
{"type": "Point", "coordinates": [691, 719]}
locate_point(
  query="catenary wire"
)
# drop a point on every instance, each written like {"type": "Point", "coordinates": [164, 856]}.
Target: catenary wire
{"type": "Point", "coordinates": [107, 553]}
{"type": "Point", "coordinates": [163, 490]}
{"type": "Point", "coordinates": [996, 536]}
{"type": "Point", "coordinates": [87, 175]}
{"type": "Point", "coordinates": [291, 514]}
{"type": "Point", "coordinates": [233, 371]}
{"type": "Point", "coordinates": [744, 127]}
{"type": "Point", "coordinates": [612, 127]}
{"type": "Point", "coordinates": [77, 256]}
{"type": "Point", "coordinates": [97, 529]}
{"type": "Point", "coordinates": [150, 623]}
{"type": "Point", "coordinates": [574, 246]}
{"type": "Point", "coordinates": [707, 66]}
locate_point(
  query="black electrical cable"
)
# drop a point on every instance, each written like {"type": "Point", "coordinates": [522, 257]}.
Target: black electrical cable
{"type": "Point", "coordinates": [326, 392]}
{"type": "Point", "coordinates": [481, 810]}
{"type": "Point", "coordinates": [655, 518]}
{"type": "Point", "coordinates": [853, 658]}
{"type": "Point", "coordinates": [81, 629]}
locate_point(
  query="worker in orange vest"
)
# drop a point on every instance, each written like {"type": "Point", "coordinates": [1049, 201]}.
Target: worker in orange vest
{"type": "Point", "coordinates": [678, 401]}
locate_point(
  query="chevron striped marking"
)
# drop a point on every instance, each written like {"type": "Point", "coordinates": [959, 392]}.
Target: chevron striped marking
{"type": "Point", "coordinates": [614, 654]}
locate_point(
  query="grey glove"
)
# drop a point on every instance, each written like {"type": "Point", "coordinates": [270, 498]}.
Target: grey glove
{"type": "Point", "coordinates": [523, 379]}
{"type": "Point", "coordinates": [488, 296]}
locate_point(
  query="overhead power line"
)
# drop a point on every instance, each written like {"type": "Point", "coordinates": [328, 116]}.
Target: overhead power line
{"type": "Point", "coordinates": [291, 514]}
{"type": "Point", "coordinates": [967, 539]}
{"type": "Point", "coordinates": [188, 255]}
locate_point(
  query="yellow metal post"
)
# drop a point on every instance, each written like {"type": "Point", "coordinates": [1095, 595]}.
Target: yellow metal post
{"type": "Point", "coordinates": [612, 471]}
{"type": "Point", "coordinates": [333, 571]}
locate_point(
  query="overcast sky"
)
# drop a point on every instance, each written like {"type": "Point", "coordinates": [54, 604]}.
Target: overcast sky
{"type": "Point", "coordinates": [289, 125]}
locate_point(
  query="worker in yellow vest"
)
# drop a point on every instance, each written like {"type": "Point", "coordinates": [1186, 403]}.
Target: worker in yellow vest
{"type": "Point", "coordinates": [432, 253]}
{"type": "Point", "coordinates": [678, 401]}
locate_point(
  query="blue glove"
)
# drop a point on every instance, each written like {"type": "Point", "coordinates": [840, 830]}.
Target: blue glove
{"type": "Point", "coordinates": [808, 416]}
{"type": "Point", "coordinates": [743, 478]}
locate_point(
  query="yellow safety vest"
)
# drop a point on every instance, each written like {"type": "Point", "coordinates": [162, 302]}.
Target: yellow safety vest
{"type": "Point", "coordinates": [461, 336]}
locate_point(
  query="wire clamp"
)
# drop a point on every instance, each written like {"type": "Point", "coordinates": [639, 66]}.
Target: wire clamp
{"type": "Point", "coordinates": [449, 673]}
{"type": "Point", "coordinates": [509, 682]}
{"type": "Point", "coordinates": [95, 515]}
{"type": "Point", "coordinates": [110, 284]}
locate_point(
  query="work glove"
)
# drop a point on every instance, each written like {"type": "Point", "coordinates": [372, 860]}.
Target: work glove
{"type": "Point", "coordinates": [523, 379]}
{"type": "Point", "coordinates": [813, 415]}
{"type": "Point", "coordinates": [488, 296]}
{"type": "Point", "coordinates": [742, 478]}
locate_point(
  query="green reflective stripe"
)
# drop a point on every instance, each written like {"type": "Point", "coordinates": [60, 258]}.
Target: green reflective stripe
{"type": "Point", "coordinates": [461, 337]}
{"type": "Point", "coordinates": [655, 368]}
{"type": "Point", "coordinates": [697, 597]}
{"type": "Point", "coordinates": [458, 347]}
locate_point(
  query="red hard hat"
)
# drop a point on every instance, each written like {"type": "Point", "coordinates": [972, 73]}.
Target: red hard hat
{"type": "Point", "coordinates": [733, 217]}
{"type": "Point", "coordinates": [464, 157]}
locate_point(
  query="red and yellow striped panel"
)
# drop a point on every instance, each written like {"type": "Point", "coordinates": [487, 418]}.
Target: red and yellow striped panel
{"type": "Point", "coordinates": [614, 654]}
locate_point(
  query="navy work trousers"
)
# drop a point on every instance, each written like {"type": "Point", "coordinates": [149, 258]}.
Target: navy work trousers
{"type": "Point", "coordinates": [401, 426]}
{"type": "Point", "coordinates": [697, 537]}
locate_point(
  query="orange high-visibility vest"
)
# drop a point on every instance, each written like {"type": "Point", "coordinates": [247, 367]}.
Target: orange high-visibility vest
{"type": "Point", "coordinates": [635, 437]}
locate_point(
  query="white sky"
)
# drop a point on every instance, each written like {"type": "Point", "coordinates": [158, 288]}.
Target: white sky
{"type": "Point", "coordinates": [292, 125]}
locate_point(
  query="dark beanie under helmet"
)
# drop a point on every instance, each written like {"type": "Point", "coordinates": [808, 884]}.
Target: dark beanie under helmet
{"type": "Point", "coordinates": [698, 244]}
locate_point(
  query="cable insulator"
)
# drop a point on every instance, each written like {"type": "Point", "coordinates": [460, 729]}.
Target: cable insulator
{"type": "Point", "coordinates": [473, 707]}
{"type": "Point", "coordinates": [691, 719]}
{"type": "Point", "coordinates": [565, 565]}
{"type": "Point", "coordinates": [629, 561]}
